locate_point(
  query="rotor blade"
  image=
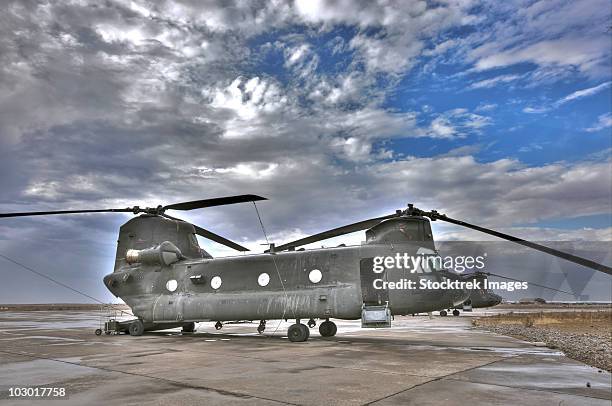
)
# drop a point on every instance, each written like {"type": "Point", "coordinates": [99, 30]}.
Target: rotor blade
{"type": "Point", "coordinates": [212, 236]}
{"type": "Point", "coordinates": [217, 201]}
{"type": "Point", "coordinates": [531, 283]}
{"type": "Point", "coordinates": [217, 238]}
{"type": "Point", "coordinates": [362, 225]}
{"type": "Point", "coordinates": [45, 213]}
{"type": "Point", "coordinates": [560, 254]}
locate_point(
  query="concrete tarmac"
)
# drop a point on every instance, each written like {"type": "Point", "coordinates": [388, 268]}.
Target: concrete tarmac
{"type": "Point", "coordinates": [420, 361]}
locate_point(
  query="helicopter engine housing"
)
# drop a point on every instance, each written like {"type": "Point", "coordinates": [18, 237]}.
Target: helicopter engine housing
{"type": "Point", "coordinates": [165, 253]}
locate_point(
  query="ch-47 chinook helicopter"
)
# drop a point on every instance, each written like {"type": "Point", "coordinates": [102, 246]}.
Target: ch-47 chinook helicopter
{"type": "Point", "coordinates": [168, 281]}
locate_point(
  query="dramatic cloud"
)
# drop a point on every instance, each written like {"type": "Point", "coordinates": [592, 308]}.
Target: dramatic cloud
{"type": "Point", "coordinates": [584, 93]}
{"type": "Point", "coordinates": [494, 81]}
{"type": "Point", "coordinates": [603, 121]}
{"type": "Point", "coordinates": [578, 94]}
{"type": "Point", "coordinates": [557, 36]}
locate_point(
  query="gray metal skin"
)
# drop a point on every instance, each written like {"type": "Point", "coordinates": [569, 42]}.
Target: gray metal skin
{"type": "Point", "coordinates": [240, 297]}
{"type": "Point", "coordinates": [480, 298]}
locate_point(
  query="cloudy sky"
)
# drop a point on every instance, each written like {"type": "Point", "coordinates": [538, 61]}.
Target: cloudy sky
{"type": "Point", "coordinates": [493, 112]}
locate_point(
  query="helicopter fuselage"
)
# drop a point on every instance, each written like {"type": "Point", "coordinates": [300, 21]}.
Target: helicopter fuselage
{"type": "Point", "coordinates": [275, 286]}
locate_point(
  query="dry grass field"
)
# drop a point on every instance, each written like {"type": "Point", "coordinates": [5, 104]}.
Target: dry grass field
{"type": "Point", "coordinates": [582, 335]}
{"type": "Point", "coordinates": [564, 320]}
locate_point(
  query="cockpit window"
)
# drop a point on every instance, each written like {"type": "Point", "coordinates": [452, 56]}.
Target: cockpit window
{"type": "Point", "coordinates": [193, 240]}
{"type": "Point", "coordinates": [435, 262]}
{"type": "Point", "coordinates": [410, 229]}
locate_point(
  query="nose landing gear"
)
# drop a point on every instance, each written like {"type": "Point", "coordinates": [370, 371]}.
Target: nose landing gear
{"type": "Point", "coordinates": [136, 328]}
{"type": "Point", "coordinates": [218, 325]}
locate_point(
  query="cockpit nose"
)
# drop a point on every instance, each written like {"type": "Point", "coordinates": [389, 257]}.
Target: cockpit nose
{"type": "Point", "coordinates": [494, 299]}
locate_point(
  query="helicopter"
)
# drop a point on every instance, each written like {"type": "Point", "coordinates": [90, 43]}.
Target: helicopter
{"type": "Point", "coordinates": [169, 281]}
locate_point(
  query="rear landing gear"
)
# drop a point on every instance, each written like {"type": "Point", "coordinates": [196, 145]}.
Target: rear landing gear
{"type": "Point", "coordinates": [455, 312]}
{"type": "Point", "coordinates": [443, 313]}
{"type": "Point", "coordinates": [298, 332]}
{"type": "Point", "coordinates": [328, 329]}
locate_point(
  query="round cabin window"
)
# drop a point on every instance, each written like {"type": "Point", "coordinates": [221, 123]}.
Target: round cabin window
{"type": "Point", "coordinates": [315, 276]}
{"type": "Point", "coordinates": [215, 282]}
{"type": "Point", "coordinates": [171, 285]}
{"type": "Point", "coordinates": [263, 279]}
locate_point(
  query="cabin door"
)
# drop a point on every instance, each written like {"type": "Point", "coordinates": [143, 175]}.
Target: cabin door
{"type": "Point", "coordinates": [369, 293]}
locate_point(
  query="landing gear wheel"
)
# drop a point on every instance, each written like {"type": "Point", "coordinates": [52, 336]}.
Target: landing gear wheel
{"type": "Point", "coordinates": [328, 329]}
{"type": "Point", "coordinates": [311, 323]}
{"type": "Point", "coordinates": [306, 331]}
{"type": "Point", "coordinates": [455, 312]}
{"type": "Point", "coordinates": [443, 313]}
{"type": "Point", "coordinates": [98, 332]}
{"type": "Point", "coordinates": [136, 328]}
{"type": "Point", "coordinates": [189, 327]}
{"type": "Point", "coordinates": [298, 333]}
{"type": "Point", "coordinates": [218, 325]}
{"type": "Point", "coordinates": [262, 327]}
